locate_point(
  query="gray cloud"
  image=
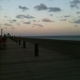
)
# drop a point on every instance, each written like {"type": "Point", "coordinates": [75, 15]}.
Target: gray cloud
{"type": "Point", "coordinates": [54, 9]}
{"type": "Point", "coordinates": [20, 16]}
{"type": "Point", "coordinates": [27, 22]}
{"type": "Point", "coordinates": [23, 8]}
{"type": "Point", "coordinates": [5, 16]}
{"type": "Point", "coordinates": [51, 15]}
{"type": "Point", "coordinates": [34, 21]}
{"type": "Point", "coordinates": [39, 25]}
{"type": "Point", "coordinates": [78, 12]}
{"type": "Point", "coordinates": [1, 8]}
{"type": "Point", "coordinates": [44, 7]}
{"type": "Point", "coordinates": [77, 21]}
{"type": "Point", "coordinates": [63, 20]}
{"type": "Point", "coordinates": [24, 16]}
{"type": "Point", "coordinates": [11, 21]}
{"type": "Point", "coordinates": [41, 7]}
{"type": "Point", "coordinates": [46, 20]}
{"type": "Point", "coordinates": [14, 20]}
{"type": "Point", "coordinates": [67, 16]}
{"type": "Point", "coordinates": [29, 17]}
{"type": "Point", "coordinates": [74, 3]}
{"type": "Point", "coordinates": [70, 21]}
{"type": "Point", "coordinates": [6, 24]}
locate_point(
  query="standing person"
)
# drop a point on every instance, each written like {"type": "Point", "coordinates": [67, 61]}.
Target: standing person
{"type": "Point", "coordinates": [4, 41]}
{"type": "Point", "coordinates": [1, 42]}
{"type": "Point", "coordinates": [19, 37]}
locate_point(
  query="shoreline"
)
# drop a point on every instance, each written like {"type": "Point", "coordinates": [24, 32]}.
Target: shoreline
{"type": "Point", "coordinates": [71, 38]}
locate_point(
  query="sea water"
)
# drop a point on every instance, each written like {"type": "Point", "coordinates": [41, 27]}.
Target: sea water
{"type": "Point", "coordinates": [75, 38]}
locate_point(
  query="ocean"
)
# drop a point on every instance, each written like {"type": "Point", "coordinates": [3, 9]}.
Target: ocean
{"type": "Point", "coordinates": [75, 38]}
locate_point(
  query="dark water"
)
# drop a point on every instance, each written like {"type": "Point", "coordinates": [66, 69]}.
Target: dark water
{"type": "Point", "coordinates": [75, 38]}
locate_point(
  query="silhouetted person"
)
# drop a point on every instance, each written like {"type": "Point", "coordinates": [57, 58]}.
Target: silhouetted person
{"type": "Point", "coordinates": [4, 41]}
{"type": "Point", "coordinates": [1, 43]}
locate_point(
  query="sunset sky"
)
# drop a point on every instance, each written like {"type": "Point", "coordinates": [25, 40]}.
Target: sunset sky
{"type": "Point", "coordinates": [40, 17]}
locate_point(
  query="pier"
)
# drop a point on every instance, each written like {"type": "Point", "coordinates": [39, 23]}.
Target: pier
{"type": "Point", "coordinates": [19, 63]}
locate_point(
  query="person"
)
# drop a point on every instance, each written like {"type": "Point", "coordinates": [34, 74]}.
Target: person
{"type": "Point", "coordinates": [1, 39]}
{"type": "Point", "coordinates": [1, 43]}
{"type": "Point", "coordinates": [4, 41]}
{"type": "Point", "coordinates": [19, 37]}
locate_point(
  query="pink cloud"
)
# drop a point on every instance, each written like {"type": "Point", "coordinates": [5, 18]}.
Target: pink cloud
{"type": "Point", "coordinates": [46, 20]}
{"type": "Point", "coordinates": [6, 24]}
{"type": "Point", "coordinates": [38, 25]}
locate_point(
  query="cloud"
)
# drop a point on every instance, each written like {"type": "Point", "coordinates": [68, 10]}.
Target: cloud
{"type": "Point", "coordinates": [77, 21]}
{"type": "Point", "coordinates": [54, 9]}
{"type": "Point", "coordinates": [20, 16]}
{"type": "Point", "coordinates": [39, 25]}
{"type": "Point", "coordinates": [46, 20]}
{"type": "Point", "coordinates": [27, 22]}
{"type": "Point", "coordinates": [29, 17]}
{"type": "Point", "coordinates": [23, 8]}
{"type": "Point", "coordinates": [67, 16]}
{"type": "Point", "coordinates": [70, 21]}
{"type": "Point", "coordinates": [63, 20]}
{"type": "Point", "coordinates": [74, 3]}
{"type": "Point", "coordinates": [41, 7]}
{"type": "Point", "coordinates": [24, 16]}
{"type": "Point", "coordinates": [76, 25]}
{"type": "Point", "coordinates": [14, 20]}
{"type": "Point", "coordinates": [44, 7]}
{"type": "Point", "coordinates": [51, 15]}
{"type": "Point", "coordinates": [5, 16]}
{"type": "Point", "coordinates": [78, 12]}
{"type": "Point", "coordinates": [6, 24]}
{"type": "Point", "coordinates": [1, 8]}
{"type": "Point", "coordinates": [11, 21]}
{"type": "Point", "coordinates": [34, 21]}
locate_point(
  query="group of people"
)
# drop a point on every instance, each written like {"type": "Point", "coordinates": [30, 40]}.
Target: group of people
{"type": "Point", "coordinates": [3, 42]}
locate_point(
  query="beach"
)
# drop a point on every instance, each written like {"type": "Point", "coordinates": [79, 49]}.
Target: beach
{"type": "Point", "coordinates": [68, 46]}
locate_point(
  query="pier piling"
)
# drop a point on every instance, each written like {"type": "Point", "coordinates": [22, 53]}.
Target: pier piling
{"type": "Point", "coordinates": [36, 50]}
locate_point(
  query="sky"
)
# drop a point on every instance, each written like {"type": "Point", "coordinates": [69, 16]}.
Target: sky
{"type": "Point", "coordinates": [40, 17]}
